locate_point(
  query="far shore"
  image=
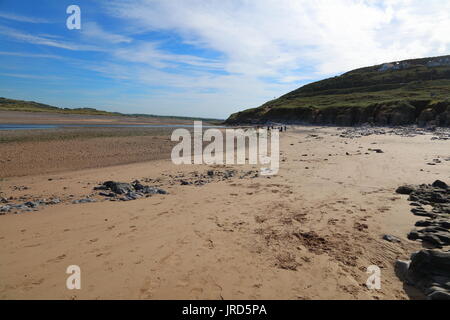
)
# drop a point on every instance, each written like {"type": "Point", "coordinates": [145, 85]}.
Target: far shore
{"type": "Point", "coordinates": [19, 117]}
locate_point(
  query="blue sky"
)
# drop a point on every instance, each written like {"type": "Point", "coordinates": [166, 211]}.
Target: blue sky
{"type": "Point", "coordinates": [202, 58]}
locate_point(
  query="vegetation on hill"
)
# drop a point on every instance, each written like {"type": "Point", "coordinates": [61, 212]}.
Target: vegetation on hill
{"type": "Point", "coordinates": [31, 106]}
{"type": "Point", "coordinates": [406, 92]}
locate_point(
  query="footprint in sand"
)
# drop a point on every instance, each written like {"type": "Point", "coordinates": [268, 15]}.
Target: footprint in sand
{"type": "Point", "coordinates": [57, 259]}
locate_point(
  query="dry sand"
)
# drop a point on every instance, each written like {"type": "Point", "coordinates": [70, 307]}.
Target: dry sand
{"type": "Point", "coordinates": [309, 232]}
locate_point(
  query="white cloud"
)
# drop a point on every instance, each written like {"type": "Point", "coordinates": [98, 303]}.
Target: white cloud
{"type": "Point", "coordinates": [92, 31]}
{"type": "Point", "coordinates": [149, 53]}
{"type": "Point", "coordinates": [30, 76]}
{"type": "Point", "coordinates": [45, 40]}
{"type": "Point", "coordinates": [276, 37]}
{"type": "Point", "coordinates": [30, 55]}
{"type": "Point", "coordinates": [19, 18]}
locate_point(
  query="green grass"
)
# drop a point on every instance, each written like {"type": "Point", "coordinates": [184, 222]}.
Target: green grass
{"type": "Point", "coordinates": [31, 106]}
{"type": "Point", "coordinates": [363, 88]}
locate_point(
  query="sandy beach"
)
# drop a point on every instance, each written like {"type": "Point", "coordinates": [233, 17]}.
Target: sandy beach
{"type": "Point", "coordinates": [309, 232]}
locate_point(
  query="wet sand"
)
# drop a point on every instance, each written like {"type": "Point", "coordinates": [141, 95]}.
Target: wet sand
{"type": "Point", "coordinates": [309, 232]}
{"type": "Point", "coordinates": [31, 152]}
{"type": "Point", "coordinates": [17, 117]}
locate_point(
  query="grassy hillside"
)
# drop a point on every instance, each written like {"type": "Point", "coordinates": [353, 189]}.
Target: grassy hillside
{"type": "Point", "coordinates": [31, 106]}
{"type": "Point", "coordinates": [379, 94]}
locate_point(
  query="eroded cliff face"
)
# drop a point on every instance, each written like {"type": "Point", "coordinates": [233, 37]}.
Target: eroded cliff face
{"type": "Point", "coordinates": [421, 113]}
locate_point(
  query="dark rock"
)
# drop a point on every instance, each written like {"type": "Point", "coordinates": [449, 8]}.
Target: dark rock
{"type": "Point", "coordinates": [406, 189]}
{"type": "Point", "coordinates": [440, 184]}
{"type": "Point", "coordinates": [32, 204]}
{"type": "Point", "coordinates": [153, 190]}
{"type": "Point", "coordinates": [439, 295]}
{"type": "Point", "coordinates": [422, 212]}
{"type": "Point", "coordinates": [413, 235]}
{"type": "Point", "coordinates": [132, 191]}
{"type": "Point", "coordinates": [133, 196]}
{"type": "Point", "coordinates": [137, 185]}
{"type": "Point", "coordinates": [415, 204]}
{"type": "Point", "coordinates": [102, 187]}
{"type": "Point", "coordinates": [401, 269]}
{"type": "Point", "coordinates": [85, 200]}
{"type": "Point", "coordinates": [429, 271]}
{"type": "Point", "coordinates": [118, 187]}
{"type": "Point", "coordinates": [54, 201]}
{"type": "Point", "coordinates": [20, 207]}
{"type": "Point", "coordinates": [428, 263]}
{"type": "Point", "coordinates": [107, 194]}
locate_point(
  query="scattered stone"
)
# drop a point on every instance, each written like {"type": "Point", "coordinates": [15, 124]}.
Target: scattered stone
{"type": "Point", "coordinates": [390, 238]}
{"type": "Point", "coordinates": [54, 201]}
{"type": "Point", "coordinates": [133, 191]}
{"type": "Point", "coordinates": [415, 204]}
{"type": "Point", "coordinates": [4, 209]}
{"type": "Point", "coordinates": [153, 190]}
{"type": "Point", "coordinates": [107, 194]}
{"type": "Point", "coordinates": [85, 200]}
{"type": "Point", "coordinates": [32, 204]}
{"type": "Point", "coordinates": [405, 189]}
{"type": "Point", "coordinates": [118, 187]}
{"type": "Point", "coordinates": [440, 133]}
{"type": "Point", "coordinates": [421, 212]}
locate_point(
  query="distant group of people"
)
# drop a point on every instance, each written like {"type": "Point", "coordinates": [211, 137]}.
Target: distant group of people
{"type": "Point", "coordinates": [279, 128]}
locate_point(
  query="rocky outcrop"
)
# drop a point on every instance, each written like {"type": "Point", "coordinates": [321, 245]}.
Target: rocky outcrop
{"type": "Point", "coordinates": [429, 269]}
{"type": "Point", "coordinates": [421, 113]}
{"type": "Point", "coordinates": [127, 191]}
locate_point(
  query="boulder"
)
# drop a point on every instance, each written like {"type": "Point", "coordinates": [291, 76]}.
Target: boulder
{"type": "Point", "coordinates": [406, 189]}
{"type": "Point", "coordinates": [440, 184]}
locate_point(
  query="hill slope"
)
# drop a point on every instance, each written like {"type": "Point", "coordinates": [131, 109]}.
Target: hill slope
{"type": "Point", "coordinates": [31, 106]}
{"type": "Point", "coordinates": [397, 93]}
